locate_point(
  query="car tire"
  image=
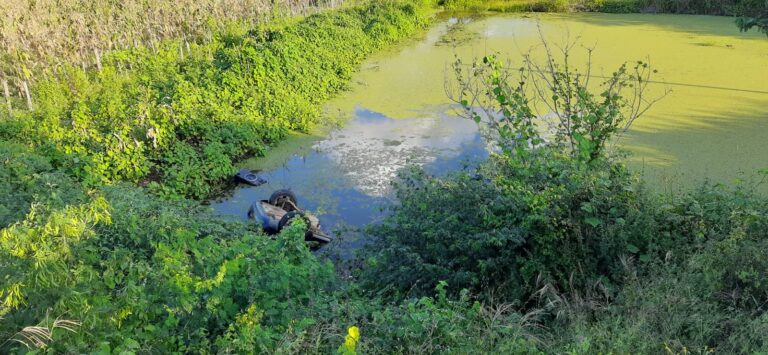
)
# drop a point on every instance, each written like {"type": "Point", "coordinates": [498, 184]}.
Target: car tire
{"type": "Point", "coordinates": [284, 199]}
{"type": "Point", "coordinates": [290, 217]}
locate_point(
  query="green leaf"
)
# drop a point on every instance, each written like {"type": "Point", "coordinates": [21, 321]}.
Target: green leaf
{"type": "Point", "coordinates": [585, 146]}
{"type": "Point", "coordinates": [104, 349]}
{"type": "Point", "coordinates": [129, 343]}
{"type": "Point", "coordinates": [632, 248]}
{"type": "Point", "coordinates": [593, 221]}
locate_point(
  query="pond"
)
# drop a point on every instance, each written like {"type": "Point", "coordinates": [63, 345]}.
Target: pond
{"type": "Point", "coordinates": [345, 177]}
{"type": "Point", "coordinates": [713, 124]}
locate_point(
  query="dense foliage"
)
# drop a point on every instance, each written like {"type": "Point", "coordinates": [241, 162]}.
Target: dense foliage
{"type": "Point", "coordinates": [180, 116]}
{"type": "Point", "coordinates": [746, 23]}
{"type": "Point", "coordinates": [551, 206]}
{"type": "Point", "coordinates": [543, 270]}
{"type": "Point", "coordinates": [511, 226]}
{"type": "Point", "coordinates": [141, 274]}
{"type": "Point", "coordinates": [115, 270]}
{"type": "Point", "coordinates": [707, 295]}
{"type": "Point", "coordinates": [588, 254]}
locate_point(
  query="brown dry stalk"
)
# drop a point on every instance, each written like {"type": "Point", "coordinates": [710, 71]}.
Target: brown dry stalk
{"type": "Point", "coordinates": [35, 337]}
{"type": "Point", "coordinates": [7, 96]}
{"type": "Point", "coordinates": [36, 36]}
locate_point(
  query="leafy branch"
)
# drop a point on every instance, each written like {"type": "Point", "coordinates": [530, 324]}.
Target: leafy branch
{"type": "Point", "coordinates": [552, 101]}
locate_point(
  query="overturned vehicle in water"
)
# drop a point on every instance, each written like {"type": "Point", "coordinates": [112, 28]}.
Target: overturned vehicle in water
{"type": "Point", "coordinates": [280, 211]}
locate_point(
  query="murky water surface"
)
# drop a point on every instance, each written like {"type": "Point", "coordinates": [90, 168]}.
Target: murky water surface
{"type": "Point", "coordinates": [713, 124]}
{"type": "Point", "coordinates": [346, 176]}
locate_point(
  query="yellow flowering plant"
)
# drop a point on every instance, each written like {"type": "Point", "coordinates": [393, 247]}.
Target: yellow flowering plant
{"type": "Point", "coordinates": [350, 341]}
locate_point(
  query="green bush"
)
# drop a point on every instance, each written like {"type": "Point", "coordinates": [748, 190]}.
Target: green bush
{"type": "Point", "coordinates": [735, 224]}
{"type": "Point", "coordinates": [708, 294]}
{"type": "Point", "coordinates": [620, 6]}
{"type": "Point", "coordinates": [29, 181]}
{"type": "Point", "coordinates": [556, 205]}
{"type": "Point", "coordinates": [143, 275]}
{"type": "Point", "coordinates": [502, 231]}
{"type": "Point", "coordinates": [140, 274]}
{"type": "Point", "coordinates": [434, 324]}
{"type": "Point", "coordinates": [124, 272]}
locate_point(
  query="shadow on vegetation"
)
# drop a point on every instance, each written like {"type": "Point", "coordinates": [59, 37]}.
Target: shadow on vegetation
{"type": "Point", "coordinates": [694, 24]}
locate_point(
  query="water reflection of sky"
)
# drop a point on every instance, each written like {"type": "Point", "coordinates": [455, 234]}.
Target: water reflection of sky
{"type": "Point", "coordinates": [348, 175]}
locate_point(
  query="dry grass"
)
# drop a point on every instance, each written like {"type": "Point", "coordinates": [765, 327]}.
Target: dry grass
{"type": "Point", "coordinates": [39, 336]}
{"type": "Point", "coordinates": [36, 36]}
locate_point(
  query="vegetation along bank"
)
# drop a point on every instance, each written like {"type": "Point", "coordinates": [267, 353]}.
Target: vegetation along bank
{"type": "Point", "coordinates": [175, 116]}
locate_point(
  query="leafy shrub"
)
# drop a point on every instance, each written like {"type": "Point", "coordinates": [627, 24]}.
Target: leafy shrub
{"type": "Point", "coordinates": [155, 279]}
{"type": "Point", "coordinates": [140, 274]}
{"type": "Point", "coordinates": [707, 295]}
{"type": "Point", "coordinates": [129, 272]}
{"type": "Point", "coordinates": [29, 181]}
{"type": "Point", "coordinates": [555, 205]}
{"type": "Point", "coordinates": [460, 230]}
{"type": "Point", "coordinates": [734, 225]}
{"type": "Point", "coordinates": [434, 324]}
{"type": "Point", "coordinates": [552, 219]}
{"type": "Point", "coordinates": [577, 118]}
{"type": "Point", "coordinates": [620, 6]}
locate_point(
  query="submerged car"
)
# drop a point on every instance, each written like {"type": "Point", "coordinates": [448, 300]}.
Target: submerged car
{"type": "Point", "coordinates": [281, 210]}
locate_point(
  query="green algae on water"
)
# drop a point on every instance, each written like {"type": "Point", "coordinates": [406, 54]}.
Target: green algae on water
{"type": "Point", "coordinates": [712, 125]}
